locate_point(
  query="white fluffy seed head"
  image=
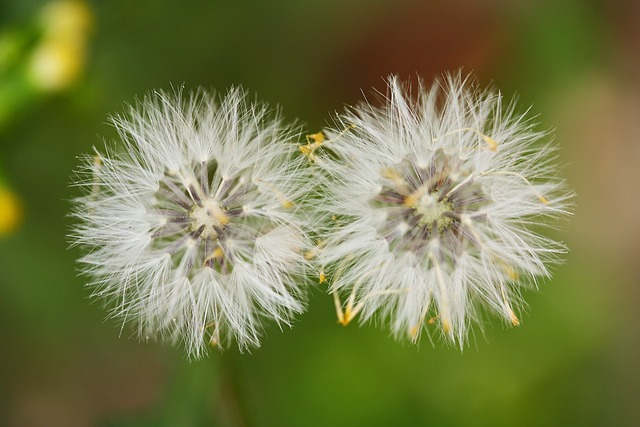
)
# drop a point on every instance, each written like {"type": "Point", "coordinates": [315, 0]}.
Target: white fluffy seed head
{"type": "Point", "coordinates": [433, 199]}
{"type": "Point", "coordinates": [193, 230]}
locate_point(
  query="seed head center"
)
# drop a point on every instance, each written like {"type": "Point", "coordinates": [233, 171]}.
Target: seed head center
{"type": "Point", "coordinates": [210, 215]}
{"type": "Point", "coordinates": [431, 210]}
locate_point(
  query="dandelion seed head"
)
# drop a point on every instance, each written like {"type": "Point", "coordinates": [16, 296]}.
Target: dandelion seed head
{"type": "Point", "coordinates": [191, 229]}
{"type": "Point", "coordinates": [437, 193]}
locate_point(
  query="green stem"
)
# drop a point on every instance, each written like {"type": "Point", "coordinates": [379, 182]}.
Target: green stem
{"type": "Point", "coordinates": [202, 393]}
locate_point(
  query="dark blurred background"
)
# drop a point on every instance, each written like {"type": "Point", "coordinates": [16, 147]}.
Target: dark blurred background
{"type": "Point", "coordinates": [66, 65]}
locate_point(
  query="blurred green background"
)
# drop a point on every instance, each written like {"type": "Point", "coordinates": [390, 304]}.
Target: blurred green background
{"type": "Point", "coordinates": [573, 361]}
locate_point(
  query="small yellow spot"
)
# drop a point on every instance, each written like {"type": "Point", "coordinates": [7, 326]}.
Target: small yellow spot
{"type": "Point", "coordinates": [306, 150]}
{"type": "Point", "coordinates": [391, 173]}
{"type": "Point", "coordinates": [284, 202]}
{"type": "Point", "coordinates": [322, 277]}
{"type": "Point", "coordinates": [492, 144]}
{"type": "Point", "coordinates": [433, 320]}
{"type": "Point", "coordinates": [220, 217]}
{"type": "Point", "coordinates": [348, 316]}
{"type": "Point", "coordinates": [313, 252]}
{"type": "Point", "coordinates": [10, 211]}
{"type": "Point", "coordinates": [510, 272]}
{"type": "Point", "coordinates": [217, 253]}
{"type": "Point", "coordinates": [446, 326]}
{"type": "Point", "coordinates": [411, 200]}
{"type": "Point", "coordinates": [394, 176]}
{"type": "Point", "coordinates": [513, 318]}
{"type": "Point", "coordinates": [334, 218]}
{"type": "Point", "coordinates": [215, 336]}
{"type": "Point", "coordinates": [413, 332]}
{"type": "Point", "coordinates": [317, 138]}
{"type": "Point", "coordinates": [543, 199]}
{"type": "Point", "coordinates": [314, 141]}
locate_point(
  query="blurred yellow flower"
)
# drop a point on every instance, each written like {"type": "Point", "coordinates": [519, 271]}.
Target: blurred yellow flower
{"type": "Point", "coordinates": [10, 211]}
{"type": "Point", "coordinates": [66, 19]}
{"type": "Point", "coordinates": [58, 61]}
{"type": "Point", "coordinates": [56, 64]}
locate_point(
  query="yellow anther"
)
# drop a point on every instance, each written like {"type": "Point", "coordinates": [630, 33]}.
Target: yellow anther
{"type": "Point", "coordinates": [540, 197]}
{"type": "Point", "coordinates": [413, 332]}
{"type": "Point", "coordinates": [322, 278]}
{"type": "Point", "coordinates": [348, 316]}
{"type": "Point", "coordinates": [307, 150]}
{"type": "Point", "coordinates": [391, 173]}
{"type": "Point", "coordinates": [221, 217]}
{"type": "Point", "coordinates": [313, 252]}
{"type": "Point", "coordinates": [284, 201]}
{"type": "Point", "coordinates": [511, 314]}
{"type": "Point", "coordinates": [411, 200]}
{"type": "Point", "coordinates": [492, 144]}
{"type": "Point", "coordinates": [215, 336]}
{"type": "Point", "coordinates": [217, 253]}
{"type": "Point", "coordinates": [317, 138]}
{"type": "Point", "coordinates": [446, 326]}
{"type": "Point", "coordinates": [314, 141]}
{"type": "Point", "coordinates": [395, 177]}
{"type": "Point", "coordinates": [510, 272]}
{"type": "Point", "coordinates": [513, 318]}
{"type": "Point", "coordinates": [433, 319]}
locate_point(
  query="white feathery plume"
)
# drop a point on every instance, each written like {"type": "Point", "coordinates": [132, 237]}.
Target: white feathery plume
{"type": "Point", "coordinates": [193, 230]}
{"type": "Point", "coordinates": [435, 200]}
